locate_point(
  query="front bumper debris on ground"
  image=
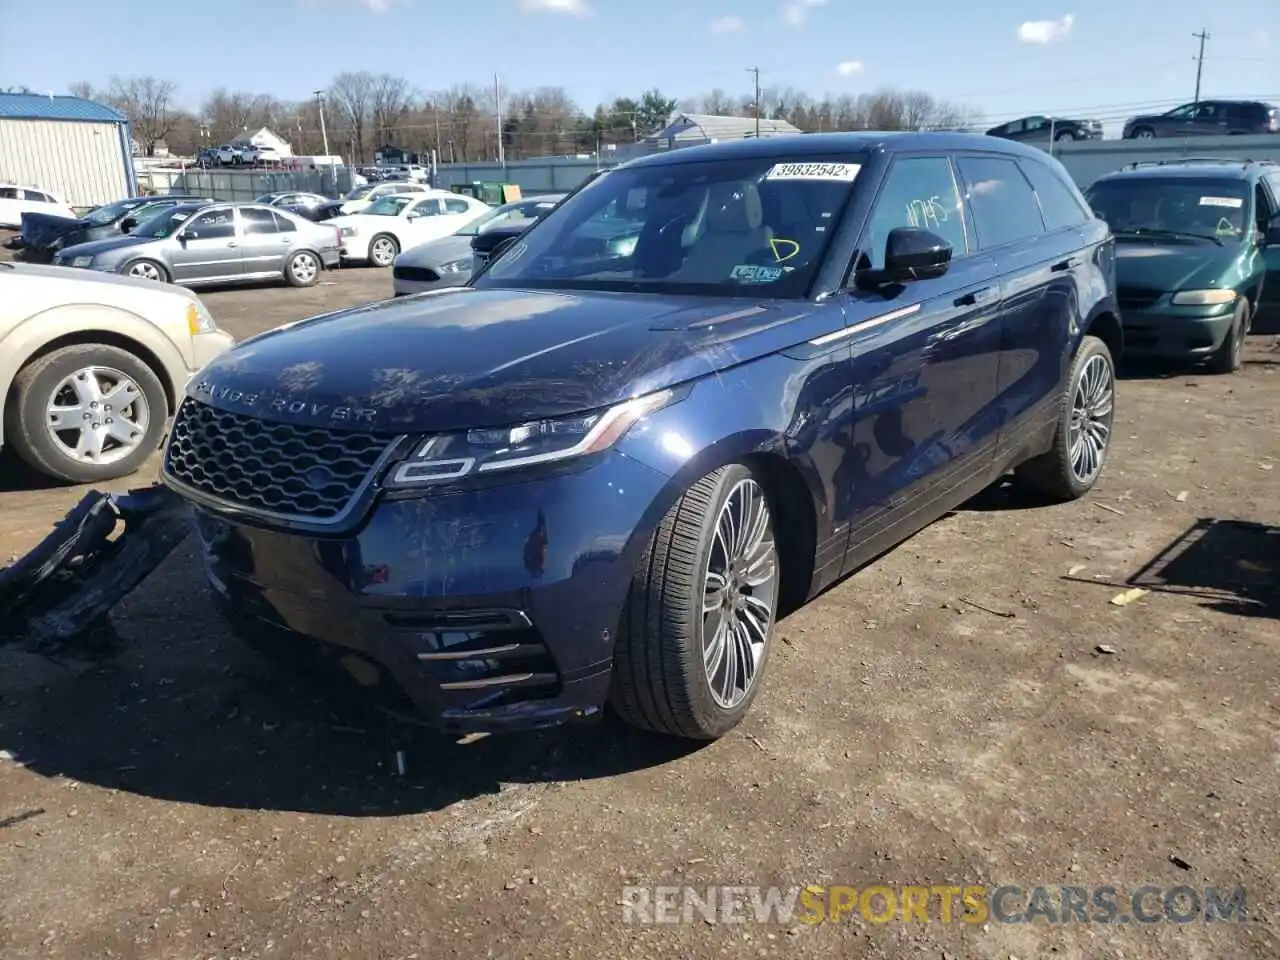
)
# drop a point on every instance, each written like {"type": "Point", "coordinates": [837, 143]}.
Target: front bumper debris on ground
{"type": "Point", "coordinates": [58, 598]}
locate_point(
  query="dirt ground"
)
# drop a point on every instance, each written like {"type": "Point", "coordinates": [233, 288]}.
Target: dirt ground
{"type": "Point", "coordinates": [970, 709]}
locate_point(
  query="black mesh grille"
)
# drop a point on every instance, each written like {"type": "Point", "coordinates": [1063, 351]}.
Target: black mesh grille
{"type": "Point", "coordinates": [281, 468]}
{"type": "Point", "coordinates": [419, 274]}
{"type": "Point", "coordinates": [1135, 298]}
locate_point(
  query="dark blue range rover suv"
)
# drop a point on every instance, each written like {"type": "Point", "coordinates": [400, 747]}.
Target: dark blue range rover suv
{"type": "Point", "coordinates": [595, 475]}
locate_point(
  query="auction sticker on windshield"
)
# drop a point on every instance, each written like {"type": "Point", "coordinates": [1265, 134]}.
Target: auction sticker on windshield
{"type": "Point", "coordinates": [1232, 203]}
{"type": "Point", "coordinates": [842, 172]}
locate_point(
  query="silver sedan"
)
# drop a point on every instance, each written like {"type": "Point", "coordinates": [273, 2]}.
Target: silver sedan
{"type": "Point", "coordinates": [198, 245]}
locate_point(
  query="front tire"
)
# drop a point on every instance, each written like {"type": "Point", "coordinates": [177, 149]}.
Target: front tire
{"type": "Point", "coordinates": [1229, 357]}
{"type": "Point", "coordinates": [1065, 136]}
{"type": "Point", "coordinates": [146, 270]}
{"type": "Point", "coordinates": [383, 250]}
{"type": "Point", "coordinates": [86, 413]}
{"type": "Point", "coordinates": [1086, 410]}
{"type": "Point", "coordinates": [695, 634]}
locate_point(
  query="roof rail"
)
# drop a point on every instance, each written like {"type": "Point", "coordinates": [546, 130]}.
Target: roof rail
{"type": "Point", "coordinates": [1177, 161]}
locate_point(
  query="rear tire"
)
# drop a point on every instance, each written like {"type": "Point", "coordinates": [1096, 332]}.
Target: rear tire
{"type": "Point", "coordinates": [1229, 356]}
{"type": "Point", "coordinates": [1086, 411]}
{"type": "Point", "coordinates": [695, 634]}
{"type": "Point", "coordinates": [303, 269]}
{"type": "Point", "coordinates": [1065, 136]}
{"type": "Point", "coordinates": [40, 390]}
{"type": "Point", "coordinates": [1142, 133]}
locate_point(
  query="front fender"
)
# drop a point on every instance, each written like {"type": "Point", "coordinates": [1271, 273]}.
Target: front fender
{"type": "Point", "coordinates": [85, 321]}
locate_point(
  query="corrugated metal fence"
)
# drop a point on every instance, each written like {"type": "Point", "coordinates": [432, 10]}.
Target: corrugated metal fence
{"type": "Point", "coordinates": [245, 185]}
{"type": "Point", "coordinates": [1085, 161]}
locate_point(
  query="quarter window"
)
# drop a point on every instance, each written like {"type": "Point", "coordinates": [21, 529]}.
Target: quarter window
{"type": "Point", "coordinates": [919, 192]}
{"type": "Point", "coordinates": [284, 224]}
{"type": "Point", "coordinates": [1058, 201]}
{"type": "Point", "coordinates": [1003, 203]}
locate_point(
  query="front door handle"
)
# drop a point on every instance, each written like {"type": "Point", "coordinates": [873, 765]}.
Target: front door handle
{"type": "Point", "coordinates": [975, 297]}
{"type": "Point", "coordinates": [232, 243]}
{"type": "Point", "coordinates": [1066, 264]}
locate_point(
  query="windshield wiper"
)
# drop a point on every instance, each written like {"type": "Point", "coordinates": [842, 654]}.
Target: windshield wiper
{"type": "Point", "coordinates": [1181, 234]}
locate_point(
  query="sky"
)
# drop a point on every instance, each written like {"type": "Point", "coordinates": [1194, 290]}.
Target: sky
{"type": "Point", "coordinates": [1102, 59]}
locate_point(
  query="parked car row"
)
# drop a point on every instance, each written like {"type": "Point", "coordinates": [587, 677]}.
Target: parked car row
{"type": "Point", "coordinates": [42, 235]}
{"type": "Point", "coordinates": [1204, 118]}
{"type": "Point", "coordinates": [238, 154]}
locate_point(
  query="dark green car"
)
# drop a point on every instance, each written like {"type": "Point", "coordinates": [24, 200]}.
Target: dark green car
{"type": "Point", "coordinates": [1197, 255]}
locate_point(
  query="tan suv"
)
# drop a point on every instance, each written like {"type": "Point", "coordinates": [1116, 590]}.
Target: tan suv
{"type": "Point", "coordinates": [92, 364]}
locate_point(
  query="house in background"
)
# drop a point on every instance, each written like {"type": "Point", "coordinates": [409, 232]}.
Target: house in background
{"type": "Point", "coordinates": [695, 129]}
{"type": "Point", "coordinates": [266, 138]}
{"type": "Point", "coordinates": [389, 155]}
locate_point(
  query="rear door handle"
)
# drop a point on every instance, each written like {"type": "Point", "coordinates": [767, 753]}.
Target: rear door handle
{"type": "Point", "coordinates": [975, 297]}
{"type": "Point", "coordinates": [1066, 264]}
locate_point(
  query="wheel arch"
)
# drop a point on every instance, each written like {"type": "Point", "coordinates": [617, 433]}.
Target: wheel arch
{"type": "Point", "coordinates": [149, 351]}
{"type": "Point", "coordinates": [1104, 323]}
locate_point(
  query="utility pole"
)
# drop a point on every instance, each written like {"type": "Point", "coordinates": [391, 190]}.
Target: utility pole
{"type": "Point", "coordinates": [324, 133]}
{"type": "Point", "coordinates": [497, 103]}
{"type": "Point", "coordinates": [1202, 36]}
{"type": "Point", "coordinates": [755, 71]}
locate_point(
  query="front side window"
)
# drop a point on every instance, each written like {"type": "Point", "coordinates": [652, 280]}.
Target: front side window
{"type": "Point", "coordinates": [162, 224]}
{"type": "Point", "coordinates": [1182, 113]}
{"type": "Point", "coordinates": [1191, 208]}
{"type": "Point", "coordinates": [1002, 202]}
{"type": "Point", "coordinates": [1058, 201]}
{"type": "Point", "coordinates": [726, 228]}
{"type": "Point", "coordinates": [386, 206]}
{"type": "Point", "coordinates": [918, 192]}
{"type": "Point", "coordinates": [214, 225]}
{"type": "Point", "coordinates": [456, 206]}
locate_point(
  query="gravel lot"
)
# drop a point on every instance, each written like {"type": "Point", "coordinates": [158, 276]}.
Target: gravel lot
{"type": "Point", "coordinates": [971, 709]}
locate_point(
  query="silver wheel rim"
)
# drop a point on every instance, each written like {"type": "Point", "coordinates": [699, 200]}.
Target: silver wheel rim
{"type": "Point", "coordinates": [304, 268]}
{"type": "Point", "coordinates": [1092, 406]}
{"type": "Point", "coordinates": [145, 271]}
{"type": "Point", "coordinates": [1146, 135]}
{"type": "Point", "coordinates": [740, 591]}
{"type": "Point", "coordinates": [97, 415]}
{"type": "Point", "coordinates": [383, 251]}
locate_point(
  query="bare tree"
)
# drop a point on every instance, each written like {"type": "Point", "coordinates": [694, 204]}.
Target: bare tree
{"type": "Point", "coordinates": [719, 104]}
{"type": "Point", "coordinates": [147, 102]}
{"type": "Point", "coordinates": [351, 95]}
{"type": "Point", "coordinates": [390, 100]}
{"type": "Point", "coordinates": [228, 114]}
{"type": "Point", "coordinates": [83, 90]}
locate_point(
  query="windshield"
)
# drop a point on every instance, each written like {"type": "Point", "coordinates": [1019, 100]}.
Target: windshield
{"type": "Point", "coordinates": [1208, 208]}
{"type": "Point", "coordinates": [726, 228]}
{"type": "Point", "coordinates": [524, 210]}
{"type": "Point", "coordinates": [110, 213]}
{"type": "Point", "coordinates": [162, 224]}
{"type": "Point", "coordinates": [388, 206]}
{"type": "Point", "coordinates": [359, 193]}
{"type": "Point", "coordinates": [267, 198]}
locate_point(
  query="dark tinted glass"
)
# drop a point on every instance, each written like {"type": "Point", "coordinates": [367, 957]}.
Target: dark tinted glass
{"type": "Point", "coordinates": [1003, 204]}
{"type": "Point", "coordinates": [1058, 202]}
{"type": "Point", "coordinates": [214, 225]}
{"type": "Point", "coordinates": [284, 224]}
{"type": "Point", "coordinates": [919, 192]}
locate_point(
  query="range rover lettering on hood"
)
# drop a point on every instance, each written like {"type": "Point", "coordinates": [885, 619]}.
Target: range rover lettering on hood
{"type": "Point", "coordinates": [288, 404]}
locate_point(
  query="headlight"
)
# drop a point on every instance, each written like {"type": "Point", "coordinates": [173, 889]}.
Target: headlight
{"type": "Point", "coordinates": [348, 231]}
{"type": "Point", "coordinates": [81, 261]}
{"type": "Point", "coordinates": [456, 266]}
{"type": "Point", "coordinates": [198, 319]}
{"type": "Point", "coordinates": [1203, 298]}
{"type": "Point", "coordinates": [457, 455]}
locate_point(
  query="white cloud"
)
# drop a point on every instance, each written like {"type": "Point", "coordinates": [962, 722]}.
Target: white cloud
{"type": "Point", "coordinates": [1047, 31]}
{"type": "Point", "coordinates": [726, 25]}
{"type": "Point", "coordinates": [372, 6]}
{"type": "Point", "coordinates": [797, 12]}
{"type": "Point", "coordinates": [573, 8]}
{"type": "Point", "coordinates": [850, 68]}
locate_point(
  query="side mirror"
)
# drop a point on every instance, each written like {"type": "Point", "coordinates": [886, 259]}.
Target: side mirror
{"type": "Point", "coordinates": [413, 216]}
{"type": "Point", "coordinates": [186, 235]}
{"type": "Point", "coordinates": [127, 224]}
{"type": "Point", "coordinates": [910, 253]}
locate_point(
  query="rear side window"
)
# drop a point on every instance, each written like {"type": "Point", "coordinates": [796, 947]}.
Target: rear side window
{"type": "Point", "coordinates": [456, 206]}
{"type": "Point", "coordinates": [1058, 202]}
{"type": "Point", "coordinates": [919, 192]}
{"type": "Point", "coordinates": [8, 193]}
{"type": "Point", "coordinates": [1003, 204]}
{"type": "Point", "coordinates": [37, 196]}
{"type": "Point", "coordinates": [257, 221]}
{"type": "Point", "coordinates": [284, 224]}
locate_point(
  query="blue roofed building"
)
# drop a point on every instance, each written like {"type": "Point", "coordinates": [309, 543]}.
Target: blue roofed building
{"type": "Point", "coordinates": [78, 149]}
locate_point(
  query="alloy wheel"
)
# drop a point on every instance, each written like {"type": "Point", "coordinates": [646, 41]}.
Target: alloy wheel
{"type": "Point", "coordinates": [383, 252]}
{"type": "Point", "coordinates": [303, 268]}
{"type": "Point", "coordinates": [97, 415]}
{"type": "Point", "coordinates": [145, 271]}
{"type": "Point", "coordinates": [1092, 408]}
{"type": "Point", "coordinates": [740, 594]}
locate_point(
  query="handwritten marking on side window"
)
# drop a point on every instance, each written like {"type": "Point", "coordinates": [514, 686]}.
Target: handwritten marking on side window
{"type": "Point", "coordinates": [926, 213]}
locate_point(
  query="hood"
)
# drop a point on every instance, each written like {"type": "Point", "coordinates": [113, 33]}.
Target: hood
{"type": "Point", "coordinates": [466, 358]}
{"type": "Point", "coordinates": [96, 248]}
{"type": "Point", "coordinates": [41, 229]}
{"type": "Point", "coordinates": [1176, 266]}
{"type": "Point", "coordinates": [100, 280]}
{"type": "Point", "coordinates": [435, 252]}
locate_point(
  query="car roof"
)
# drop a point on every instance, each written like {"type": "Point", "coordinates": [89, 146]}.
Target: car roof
{"type": "Point", "coordinates": [1207, 169]}
{"type": "Point", "coordinates": [796, 146]}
